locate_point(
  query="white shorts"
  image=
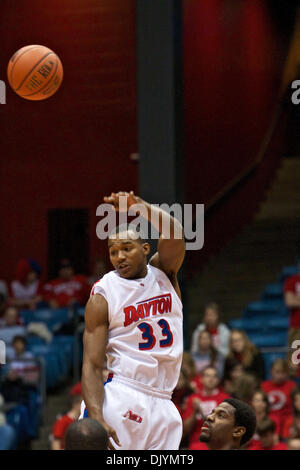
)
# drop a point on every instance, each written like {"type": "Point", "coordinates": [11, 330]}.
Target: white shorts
{"type": "Point", "coordinates": [142, 421]}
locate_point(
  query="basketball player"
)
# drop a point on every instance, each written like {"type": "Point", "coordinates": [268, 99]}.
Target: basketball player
{"type": "Point", "coordinates": [229, 426]}
{"type": "Point", "coordinates": [134, 315]}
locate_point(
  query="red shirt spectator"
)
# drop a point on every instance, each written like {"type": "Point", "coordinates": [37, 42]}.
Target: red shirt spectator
{"type": "Point", "coordinates": [279, 390]}
{"type": "Point", "coordinates": [198, 446]}
{"type": "Point", "coordinates": [67, 289]}
{"type": "Point", "coordinates": [61, 425]}
{"type": "Point", "coordinates": [291, 427]}
{"type": "Point", "coordinates": [278, 446]}
{"type": "Point", "coordinates": [60, 428]}
{"type": "Point", "coordinates": [199, 405]}
{"type": "Point", "coordinates": [26, 289]}
{"type": "Point", "coordinates": [261, 406]}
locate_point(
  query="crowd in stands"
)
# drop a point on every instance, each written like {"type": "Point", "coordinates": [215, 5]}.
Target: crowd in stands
{"type": "Point", "coordinates": [222, 362]}
{"type": "Point", "coordinates": [35, 323]}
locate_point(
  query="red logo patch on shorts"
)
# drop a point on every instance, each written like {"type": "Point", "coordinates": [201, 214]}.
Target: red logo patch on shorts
{"type": "Point", "coordinates": [133, 416]}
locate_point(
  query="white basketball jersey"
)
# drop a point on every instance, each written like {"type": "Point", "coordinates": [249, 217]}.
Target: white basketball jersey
{"type": "Point", "coordinates": [145, 339]}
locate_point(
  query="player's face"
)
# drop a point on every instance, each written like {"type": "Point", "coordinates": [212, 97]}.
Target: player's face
{"type": "Point", "coordinates": [128, 256]}
{"type": "Point", "coordinates": [219, 426]}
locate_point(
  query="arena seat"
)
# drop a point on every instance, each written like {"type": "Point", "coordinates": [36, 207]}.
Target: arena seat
{"type": "Point", "coordinates": [265, 307]}
{"type": "Point", "coordinates": [288, 271]}
{"type": "Point", "coordinates": [7, 334]}
{"type": "Point", "coordinates": [53, 318]}
{"type": "Point", "coordinates": [265, 340]}
{"type": "Point", "coordinates": [273, 292]}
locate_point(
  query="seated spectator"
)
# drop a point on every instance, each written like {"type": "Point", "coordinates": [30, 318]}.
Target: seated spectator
{"type": "Point", "coordinates": [189, 370]}
{"type": "Point", "coordinates": [279, 390]}
{"type": "Point", "coordinates": [86, 434]}
{"type": "Point", "coordinates": [207, 355]}
{"type": "Point", "coordinates": [182, 390]}
{"type": "Point", "coordinates": [13, 389]}
{"type": "Point", "coordinates": [26, 289]}
{"type": "Point", "coordinates": [291, 291]}
{"type": "Point", "coordinates": [291, 426]}
{"type": "Point", "coordinates": [268, 440]}
{"type": "Point", "coordinates": [261, 406]}
{"type": "Point", "coordinates": [245, 387]}
{"type": "Point", "coordinates": [293, 444]}
{"type": "Point", "coordinates": [99, 270]}
{"type": "Point", "coordinates": [243, 351]}
{"type": "Point", "coordinates": [18, 351]}
{"type": "Point", "coordinates": [68, 289]}
{"type": "Point", "coordinates": [11, 317]}
{"type": "Point", "coordinates": [199, 405]}
{"type": "Point", "coordinates": [211, 323]}
{"type": "Point", "coordinates": [233, 374]}
{"type": "Point", "coordinates": [61, 425]}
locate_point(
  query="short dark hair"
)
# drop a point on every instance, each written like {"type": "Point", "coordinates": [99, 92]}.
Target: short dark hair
{"type": "Point", "coordinates": [127, 227]}
{"type": "Point", "coordinates": [244, 416]}
{"type": "Point", "coordinates": [19, 338]}
{"type": "Point", "coordinates": [86, 434]}
{"type": "Point", "coordinates": [265, 425]}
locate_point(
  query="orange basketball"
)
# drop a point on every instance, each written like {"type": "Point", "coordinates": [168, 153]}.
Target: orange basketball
{"type": "Point", "coordinates": [35, 72]}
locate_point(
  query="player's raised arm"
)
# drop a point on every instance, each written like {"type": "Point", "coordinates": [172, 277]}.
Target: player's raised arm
{"type": "Point", "coordinates": [171, 244]}
{"type": "Point", "coordinates": [94, 341]}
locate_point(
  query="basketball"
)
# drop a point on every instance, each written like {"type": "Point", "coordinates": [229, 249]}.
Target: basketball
{"type": "Point", "coordinates": [35, 72]}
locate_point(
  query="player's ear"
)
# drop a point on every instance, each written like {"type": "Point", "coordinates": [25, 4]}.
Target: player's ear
{"type": "Point", "coordinates": [239, 431]}
{"type": "Point", "coordinates": [146, 248]}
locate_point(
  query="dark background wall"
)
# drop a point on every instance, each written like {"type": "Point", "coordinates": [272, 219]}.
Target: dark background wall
{"type": "Point", "coordinates": [234, 53]}
{"type": "Point", "coordinates": [70, 150]}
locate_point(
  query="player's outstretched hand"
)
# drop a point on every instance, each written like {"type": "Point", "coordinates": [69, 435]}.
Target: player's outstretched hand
{"type": "Point", "coordinates": [111, 433]}
{"type": "Point", "coordinates": [114, 199]}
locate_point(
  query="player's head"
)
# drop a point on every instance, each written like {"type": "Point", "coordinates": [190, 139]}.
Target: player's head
{"type": "Point", "coordinates": [128, 251]}
{"type": "Point", "coordinates": [229, 426]}
{"type": "Point", "coordinates": [86, 434]}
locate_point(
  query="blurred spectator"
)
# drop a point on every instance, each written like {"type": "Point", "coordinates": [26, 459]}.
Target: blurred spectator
{"type": "Point", "coordinates": [233, 374]}
{"type": "Point", "coordinates": [86, 434]}
{"type": "Point", "coordinates": [7, 433]}
{"type": "Point", "coordinates": [294, 444]}
{"type": "Point", "coordinates": [68, 289]}
{"type": "Point", "coordinates": [61, 425]}
{"type": "Point", "coordinates": [199, 405]}
{"type": "Point", "coordinates": [207, 355]}
{"type": "Point", "coordinates": [291, 291]}
{"type": "Point", "coordinates": [267, 437]}
{"type": "Point", "coordinates": [245, 387]}
{"type": "Point", "coordinates": [11, 317]}
{"type": "Point", "coordinates": [13, 388]}
{"type": "Point", "coordinates": [242, 350]}
{"type": "Point", "coordinates": [189, 370]}
{"type": "Point", "coordinates": [26, 289]}
{"type": "Point", "coordinates": [291, 427]}
{"type": "Point", "coordinates": [18, 350]}
{"type": "Point", "coordinates": [279, 390]}
{"type": "Point", "coordinates": [182, 390]}
{"type": "Point", "coordinates": [211, 323]}
{"type": "Point", "coordinates": [261, 405]}
{"type": "Point", "coordinates": [99, 270]}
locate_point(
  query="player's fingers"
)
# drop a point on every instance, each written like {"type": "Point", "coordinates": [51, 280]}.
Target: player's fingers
{"type": "Point", "coordinates": [110, 446]}
{"type": "Point", "coordinates": [115, 438]}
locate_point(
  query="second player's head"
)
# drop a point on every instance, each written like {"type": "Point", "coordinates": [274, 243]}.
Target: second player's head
{"type": "Point", "coordinates": [229, 426]}
{"type": "Point", "coordinates": [128, 252]}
